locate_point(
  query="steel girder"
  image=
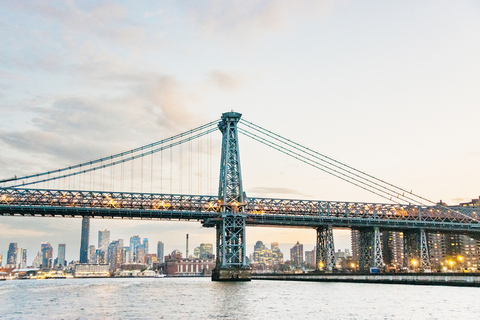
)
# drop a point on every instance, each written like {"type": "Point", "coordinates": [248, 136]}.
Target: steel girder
{"type": "Point", "coordinates": [425, 257]}
{"type": "Point", "coordinates": [273, 212]}
{"type": "Point", "coordinates": [325, 249]}
{"type": "Point", "coordinates": [231, 198]}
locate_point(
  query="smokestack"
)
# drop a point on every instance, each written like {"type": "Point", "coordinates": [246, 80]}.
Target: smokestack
{"type": "Point", "coordinates": [187, 246]}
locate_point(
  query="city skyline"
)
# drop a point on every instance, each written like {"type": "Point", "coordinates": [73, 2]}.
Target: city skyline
{"type": "Point", "coordinates": [168, 248]}
{"type": "Point", "coordinates": [399, 102]}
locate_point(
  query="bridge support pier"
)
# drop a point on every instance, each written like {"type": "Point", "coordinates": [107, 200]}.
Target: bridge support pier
{"type": "Point", "coordinates": [371, 255]}
{"type": "Point", "coordinates": [416, 249]}
{"type": "Point", "coordinates": [231, 254]}
{"type": "Point", "coordinates": [325, 254]}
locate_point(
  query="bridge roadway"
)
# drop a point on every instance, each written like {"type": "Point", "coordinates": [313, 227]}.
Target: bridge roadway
{"type": "Point", "coordinates": [258, 211]}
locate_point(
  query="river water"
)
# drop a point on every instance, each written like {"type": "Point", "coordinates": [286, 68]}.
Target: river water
{"type": "Point", "coordinates": [200, 298]}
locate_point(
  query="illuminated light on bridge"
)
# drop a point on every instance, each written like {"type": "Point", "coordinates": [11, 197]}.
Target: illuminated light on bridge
{"type": "Point", "coordinates": [231, 210]}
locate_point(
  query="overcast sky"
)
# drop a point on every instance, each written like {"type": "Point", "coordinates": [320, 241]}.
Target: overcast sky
{"type": "Point", "coordinates": [389, 87]}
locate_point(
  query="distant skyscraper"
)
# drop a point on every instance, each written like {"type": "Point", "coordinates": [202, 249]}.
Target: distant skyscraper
{"type": "Point", "coordinates": [296, 254]}
{"type": "Point", "coordinates": [1, 260]}
{"type": "Point", "coordinates": [92, 255]}
{"type": "Point", "coordinates": [103, 239]}
{"type": "Point", "coordinates": [140, 254]}
{"type": "Point", "coordinates": [23, 258]}
{"type": "Point", "coordinates": [12, 254]}
{"type": "Point", "coordinates": [84, 240]}
{"type": "Point", "coordinates": [160, 252]}
{"type": "Point", "coordinates": [145, 245]}
{"type": "Point", "coordinates": [61, 254]}
{"type": "Point", "coordinates": [134, 242]}
{"type": "Point", "coordinates": [47, 255]}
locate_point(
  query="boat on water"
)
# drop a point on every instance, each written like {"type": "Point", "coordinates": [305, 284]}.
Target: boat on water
{"type": "Point", "coordinates": [159, 275]}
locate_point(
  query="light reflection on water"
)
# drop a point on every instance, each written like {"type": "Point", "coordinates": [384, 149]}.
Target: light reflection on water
{"type": "Point", "coordinates": [200, 298]}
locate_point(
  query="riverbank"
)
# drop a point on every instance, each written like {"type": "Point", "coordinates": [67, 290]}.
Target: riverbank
{"type": "Point", "coordinates": [459, 280]}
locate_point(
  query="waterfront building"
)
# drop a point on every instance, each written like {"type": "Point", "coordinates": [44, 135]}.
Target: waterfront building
{"type": "Point", "coordinates": [160, 252]}
{"type": "Point", "coordinates": [296, 254]}
{"type": "Point", "coordinates": [393, 249]}
{"type": "Point", "coordinates": [261, 254]}
{"type": "Point", "coordinates": [84, 240]}
{"type": "Point", "coordinates": [12, 255]}
{"type": "Point", "coordinates": [1, 260]}
{"type": "Point", "coordinates": [126, 255]}
{"type": "Point", "coordinates": [103, 239]}
{"type": "Point", "coordinates": [134, 242]}
{"type": "Point", "coordinates": [437, 249]}
{"type": "Point", "coordinates": [47, 255]}
{"type": "Point", "coordinates": [91, 270]}
{"type": "Point", "coordinates": [92, 254]}
{"type": "Point", "coordinates": [189, 267]}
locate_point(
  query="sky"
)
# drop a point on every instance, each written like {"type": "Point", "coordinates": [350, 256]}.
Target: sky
{"type": "Point", "coordinates": [388, 87]}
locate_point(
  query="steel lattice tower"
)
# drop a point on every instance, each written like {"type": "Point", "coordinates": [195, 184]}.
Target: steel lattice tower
{"type": "Point", "coordinates": [231, 259]}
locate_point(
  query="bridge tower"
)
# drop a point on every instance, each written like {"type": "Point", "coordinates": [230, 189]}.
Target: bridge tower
{"type": "Point", "coordinates": [231, 252]}
{"type": "Point", "coordinates": [325, 254]}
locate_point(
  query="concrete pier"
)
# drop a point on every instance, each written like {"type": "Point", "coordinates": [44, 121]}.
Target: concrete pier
{"type": "Point", "coordinates": [437, 279]}
{"type": "Point", "coordinates": [231, 274]}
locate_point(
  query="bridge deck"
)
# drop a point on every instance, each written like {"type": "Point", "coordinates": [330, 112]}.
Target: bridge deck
{"type": "Point", "coordinates": [258, 211]}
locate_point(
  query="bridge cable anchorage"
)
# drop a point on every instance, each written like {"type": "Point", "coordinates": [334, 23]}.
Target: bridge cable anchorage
{"type": "Point", "coordinates": [117, 155]}
{"type": "Point", "coordinates": [401, 192]}
{"type": "Point", "coordinates": [103, 165]}
{"type": "Point", "coordinates": [317, 165]}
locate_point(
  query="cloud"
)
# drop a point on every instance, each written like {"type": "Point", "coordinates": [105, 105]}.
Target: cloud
{"type": "Point", "coordinates": [225, 81]}
{"type": "Point", "coordinates": [247, 19]}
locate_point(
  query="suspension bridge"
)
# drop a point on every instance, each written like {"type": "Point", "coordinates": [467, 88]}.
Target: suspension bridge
{"type": "Point", "coordinates": [67, 192]}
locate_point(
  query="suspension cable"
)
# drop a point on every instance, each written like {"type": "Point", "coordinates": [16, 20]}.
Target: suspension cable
{"type": "Point", "coordinates": [319, 156]}
{"type": "Point", "coordinates": [148, 146]}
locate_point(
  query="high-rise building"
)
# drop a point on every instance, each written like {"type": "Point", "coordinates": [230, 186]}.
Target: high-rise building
{"type": "Point", "coordinates": [101, 256]}
{"type": "Point", "coordinates": [140, 254]}
{"type": "Point", "coordinates": [84, 240]}
{"type": "Point", "coordinates": [114, 255]}
{"type": "Point", "coordinates": [160, 252]}
{"type": "Point", "coordinates": [103, 239]}
{"type": "Point", "coordinates": [12, 254]}
{"type": "Point", "coordinates": [1, 260]}
{"type": "Point", "coordinates": [355, 245]}
{"type": "Point", "coordinates": [145, 245]}
{"type": "Point", "coordinates": [310, 258]}
{"type": "Point", "coordinates": [61, 255]}
{"type": "Point", "coordinates": [37, 262]}
{"type": "Point", "coordinates": [204, 251]}
{"type": "Point", "coordinates": [277, 255]}
{"type": "Point", "coordinates": [47, 255]}
{"type": "Point", "coordinates": [296, 254]}
{"type": "Point", "coordinates": [92, 254]}
{"type": "Point", "coordinates": [134, 242]}
{"type": "Point", "coordinates": [23, 258]}
{"type": "Point", "coordinates": [393, 251]}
